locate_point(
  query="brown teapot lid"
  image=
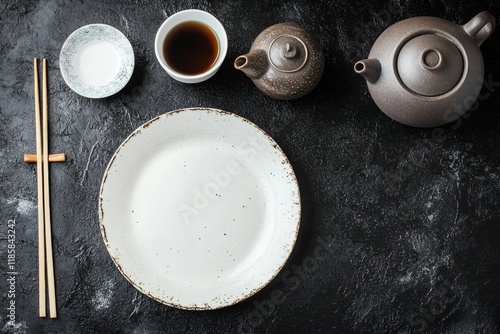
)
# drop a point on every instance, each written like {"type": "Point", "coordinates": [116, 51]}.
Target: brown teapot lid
{"type": "Point", "coordinates": [430, 65]}
{"type": "Point", "coordinates": [288, 53]}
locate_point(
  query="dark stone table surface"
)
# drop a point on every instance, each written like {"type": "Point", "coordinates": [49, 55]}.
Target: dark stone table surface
{"type": "Point", "coordinates": [412, 215]}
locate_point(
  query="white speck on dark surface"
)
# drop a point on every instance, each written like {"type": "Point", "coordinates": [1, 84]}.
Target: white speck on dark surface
{"type": "Point", "coordinates": [26, 207]}
{"type": "Point", "coordinates": [19, 327]}
{"type": "Point", "coordinates": [102, 297]}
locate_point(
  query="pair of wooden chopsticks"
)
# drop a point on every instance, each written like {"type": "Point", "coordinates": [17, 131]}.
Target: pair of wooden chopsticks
{"type": "Point", "coordinates": [45, 257]}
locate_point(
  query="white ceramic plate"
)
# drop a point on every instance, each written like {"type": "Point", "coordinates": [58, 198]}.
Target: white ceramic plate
{"type": "Point", "coordinates": [199, 208]}
{"type": "Point", "coordinates": [96, 60]}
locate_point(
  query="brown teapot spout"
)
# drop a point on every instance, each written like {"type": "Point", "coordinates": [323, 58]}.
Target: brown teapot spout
{"type": "Point", "coordinates": [369, 68]}
{"type": "Point", "coordinates": [254, 64]}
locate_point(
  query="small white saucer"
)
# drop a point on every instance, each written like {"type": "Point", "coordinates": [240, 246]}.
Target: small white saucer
{"type": "Point", "coordinates": [96, 60]}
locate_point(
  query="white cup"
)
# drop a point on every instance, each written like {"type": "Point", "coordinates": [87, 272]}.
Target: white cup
{"type": "Point", "coordinates": [191, 15]}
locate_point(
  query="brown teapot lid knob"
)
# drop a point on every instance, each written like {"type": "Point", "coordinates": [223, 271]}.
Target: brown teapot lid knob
{"type": "Point", "coordinates": [288, 53]}
{"type": "Point", "coordinates": [289, 50]}
{"type": "Point", "coordinates": [430, 65]}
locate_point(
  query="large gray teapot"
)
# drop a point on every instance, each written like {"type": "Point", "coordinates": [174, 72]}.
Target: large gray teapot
{"type": "Point", "coordinates": [427, 71]}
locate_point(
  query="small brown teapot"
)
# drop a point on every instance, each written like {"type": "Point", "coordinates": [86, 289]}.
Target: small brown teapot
{"type": "Point", "coordinates": [427, 71]}
{"type": "Point", "coordinates": [285, 61]}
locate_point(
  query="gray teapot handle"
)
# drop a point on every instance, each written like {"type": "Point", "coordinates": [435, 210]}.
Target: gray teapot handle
{"type": "Point", "coordinates": [480, 27]}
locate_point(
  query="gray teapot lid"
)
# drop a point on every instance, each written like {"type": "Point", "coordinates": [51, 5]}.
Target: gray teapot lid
{"type": "Point", "coordinates": [430, 65]}
{"type": "Point", "coordinates": [288, 53]}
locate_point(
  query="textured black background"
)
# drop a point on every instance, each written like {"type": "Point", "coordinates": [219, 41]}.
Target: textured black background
{"type": "Point", "coordinates": [412, 215]}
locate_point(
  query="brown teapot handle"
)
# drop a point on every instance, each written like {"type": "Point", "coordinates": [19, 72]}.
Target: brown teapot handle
{"type": "Point", "coordinates": [480, 27]}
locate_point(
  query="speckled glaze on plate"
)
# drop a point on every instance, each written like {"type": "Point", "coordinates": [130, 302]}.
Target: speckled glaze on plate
{"type": "Point", "coordinates": [96, 60]}
{"type": "Point", "coordinates": [199, 208]}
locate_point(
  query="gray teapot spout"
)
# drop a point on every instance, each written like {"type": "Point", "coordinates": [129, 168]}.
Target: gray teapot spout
{"type": "Point", "coordinates": [369, 68]}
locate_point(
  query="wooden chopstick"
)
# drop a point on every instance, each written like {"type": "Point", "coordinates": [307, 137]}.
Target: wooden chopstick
{"type": "Point", "coordinates": [39, 174]}
{"type": "Point", "coordinates": [45, 257]}
{"type": "Point", "coordinates": [46, 197]}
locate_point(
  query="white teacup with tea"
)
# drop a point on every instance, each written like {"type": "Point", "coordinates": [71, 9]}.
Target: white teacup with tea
{"type": "Point", "coordinates": [191, 45]}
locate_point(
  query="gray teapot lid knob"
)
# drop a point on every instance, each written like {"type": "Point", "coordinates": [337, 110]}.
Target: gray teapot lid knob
{"type": "Point", "coordinates": [288, 53]}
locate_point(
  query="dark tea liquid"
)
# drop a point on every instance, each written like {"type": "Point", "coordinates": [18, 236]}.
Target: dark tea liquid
{"type": "Point", "coordinates": [191, 48]}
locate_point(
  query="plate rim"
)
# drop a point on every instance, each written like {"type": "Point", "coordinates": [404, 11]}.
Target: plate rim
{"type": "Point", "coordinates": [205, 306]}
{"type": "Point", "coordinates": [129, 70]}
